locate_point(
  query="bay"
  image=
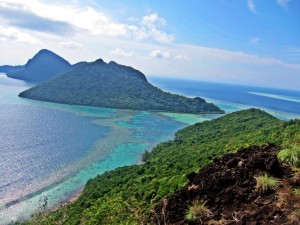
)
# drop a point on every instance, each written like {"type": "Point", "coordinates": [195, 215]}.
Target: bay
{"type": "Point", "coordinates": [48, 151]}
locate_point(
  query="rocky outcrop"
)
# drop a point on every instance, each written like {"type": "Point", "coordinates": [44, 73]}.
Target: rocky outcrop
{"type": "Point", "coordinates": [227, 188]}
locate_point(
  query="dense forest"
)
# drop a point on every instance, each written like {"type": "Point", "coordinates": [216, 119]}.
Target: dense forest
{"type": "Point", "coordinates": [114, 86]}
{"type": "Point", "coordinates": [42, 67]}
{"type": "Point", "coordinates": [127, 195]}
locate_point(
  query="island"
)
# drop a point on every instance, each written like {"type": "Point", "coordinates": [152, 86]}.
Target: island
{"type": "Point", "coordinates": [8, 68]}
{"type": "Point", "coordinates": [113, 85]}
{"type": "Point", "coordinates": [42, 67]}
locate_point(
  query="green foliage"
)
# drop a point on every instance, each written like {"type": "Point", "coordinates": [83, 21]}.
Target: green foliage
{"type": "Point", "coordinates": [42, 67]}
{"type": "Point", "coordinates": [114, 86]}
{"type": "Point", "coordinates": [265, 183]}
{"type": "Point", "coordinates": [290, 155]}
{"type": "Point", "coordinates": [296, 193]}
{"type": "Point", "coordinates": [113, 196]}
{"type": "Point", "coordinates": [145, 156]}
{"type": "Point", "coordinates": [197, 210]}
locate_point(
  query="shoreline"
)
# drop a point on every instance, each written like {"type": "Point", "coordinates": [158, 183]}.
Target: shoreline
{"type": "Point", "coordinates": [72, 198]}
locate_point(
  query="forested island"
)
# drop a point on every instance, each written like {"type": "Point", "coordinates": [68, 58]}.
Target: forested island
{"type": "Point", "coordinates": [114, 86]}
{"type": "Point", "coordinates": [167, 188]}
{"type": "Point", "coordinates": [42, 67]}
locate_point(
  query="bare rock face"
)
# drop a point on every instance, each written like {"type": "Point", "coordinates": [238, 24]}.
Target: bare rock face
{"type": "Point", "coordinates": [227, 187]}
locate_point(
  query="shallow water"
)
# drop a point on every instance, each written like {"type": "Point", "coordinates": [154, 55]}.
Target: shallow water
{"type": "Point", "coordinates": [50, 150]}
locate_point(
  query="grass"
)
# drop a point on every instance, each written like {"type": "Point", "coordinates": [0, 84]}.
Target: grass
{"type": "Point", "coordinates": [217, 222]}
{"type": "Point", "coordinates": [295, 217]}
{"type": "Point", "coordinates": [290, 155]}
{"type": "Point", "coordinates": [197, 210]}
{"type": "Point", "coordinates": [265, 183]}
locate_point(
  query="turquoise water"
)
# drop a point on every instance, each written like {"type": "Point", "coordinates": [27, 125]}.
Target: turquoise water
{"type": "Point", "coordinates": [50, 150]}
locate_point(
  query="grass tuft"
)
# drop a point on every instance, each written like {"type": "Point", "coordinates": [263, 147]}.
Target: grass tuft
{"type": "Point", "coordinates": [290, 155]}
{"type": "Point", "coordinates": [265, 183]}
{"type": "Point", "coordinates": [197, 211]}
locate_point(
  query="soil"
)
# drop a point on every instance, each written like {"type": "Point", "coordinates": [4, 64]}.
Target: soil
{"type": "Point", "coordinates": [228, 190]}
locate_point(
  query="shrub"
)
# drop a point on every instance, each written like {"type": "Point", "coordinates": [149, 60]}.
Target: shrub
{"type": "Point", "coordinates": [265, 183]}
{"type": "Point", "coordinates": [290, 155]}
{"type": "Point", "coordinates": [197, 210]}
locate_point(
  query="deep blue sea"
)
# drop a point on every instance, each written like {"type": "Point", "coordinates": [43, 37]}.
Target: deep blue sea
{"type": "Point", "coordinates": [51, 150]}
{"type": "Point", "coordinates": [277, 101]}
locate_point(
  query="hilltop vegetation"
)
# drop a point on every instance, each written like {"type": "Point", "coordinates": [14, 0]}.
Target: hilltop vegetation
{"type": "Point", "coordinates": [43, 66]}
{"type": "Point", "coordinates": [128, 194]}
{"type": "Point", "coordinates": [114, 86]}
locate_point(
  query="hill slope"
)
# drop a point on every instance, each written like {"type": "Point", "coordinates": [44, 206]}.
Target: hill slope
{"type": "Point", "coordinates": [43, 66]}
{"type": "Point", "coordinates": [7, 68]}
{"type": "Point", "coordinates": [126, 195]}
{"type": "Point", "coordinates": [114, 86]}
{"type": "Point", "coordinates": [233, 196]}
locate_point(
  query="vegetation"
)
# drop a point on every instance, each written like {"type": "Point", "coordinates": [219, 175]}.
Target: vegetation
{"type": "Point", "coordinates": [111, 198]}
{"type": "Point", "coordinates": [265, 183]}
{"type": "Point", "coordinates": [43, 66]}
{"type": "Point", "coordinates": [197, 210]}
{"type": "Point", "coordinates": [290, 155]}
{"type": "Point", "coordinates": [217, 222]}
{"type": "Point", "coordinates": [114, 86]}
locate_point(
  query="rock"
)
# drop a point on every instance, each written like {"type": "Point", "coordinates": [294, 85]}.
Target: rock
{"type": "Point", "coordinates": [228, 186]}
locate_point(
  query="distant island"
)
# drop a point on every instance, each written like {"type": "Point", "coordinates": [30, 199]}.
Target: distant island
{"type": "Point", "coordinates": [8, 68]}
{"type": "Point", "coordinates": [114, 86]}
{"type": "Point", "coordinates": [42, 67]}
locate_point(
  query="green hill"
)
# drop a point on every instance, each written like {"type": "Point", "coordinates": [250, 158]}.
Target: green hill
{"type": "Point", "coordinates": [43, 66]}
{"type": "Point", "coordinates": [114, 86]}
{"type": "Point", "coordinates": [127, 195]}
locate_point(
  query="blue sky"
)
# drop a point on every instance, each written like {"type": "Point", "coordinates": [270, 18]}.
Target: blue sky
{"type": "Point", "coordinates": [253, 42]}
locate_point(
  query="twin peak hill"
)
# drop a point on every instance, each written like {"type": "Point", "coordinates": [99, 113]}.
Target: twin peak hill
{"type": "Point", "coordinates": [100, 84]}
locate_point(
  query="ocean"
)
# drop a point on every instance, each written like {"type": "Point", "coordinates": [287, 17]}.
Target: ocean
{"type": "Point", "coordinates": [49, 151]}
{"type": "Point", "coordinates": [284, 104]}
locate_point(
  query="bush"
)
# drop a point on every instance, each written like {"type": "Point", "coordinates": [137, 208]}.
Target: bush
{"type": "Point", "coordinates": [290, 155]}
{"type": "Point", "coordinates": [265, 183]}
{"type": "Point", "coordinates": [197, 210]}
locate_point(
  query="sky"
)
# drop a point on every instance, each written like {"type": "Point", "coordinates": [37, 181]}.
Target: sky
{"type": "Point", "coordinates": [249, 42]}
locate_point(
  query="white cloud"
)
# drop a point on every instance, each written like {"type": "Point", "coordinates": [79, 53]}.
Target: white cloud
{"type": "Point", "coordinates": [13, 34]}
{"type": "Point", "coordinates": [70, 45]}
{"type": "Point", "coordinates": [160, 36]}
{"type": "Point", "coordinates": [88, 19]}
{"type": "Point", "coordinates": [283, 3]}
{"type": "Point", "coordinates": [153, 20]}
{"type": "Point", "coordinates": [121, 52]}
{"type": "Point", "coordinates": [150, 27]}
{"type": "Point", "coordinates": [251, 6]}
{"type": "Point", "coordinates": [160, 54]}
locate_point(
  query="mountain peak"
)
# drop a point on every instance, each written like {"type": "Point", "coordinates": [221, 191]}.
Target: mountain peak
{"type": "Point", "coordinates": [43, 66]}
{"type": "Point", "coordinates": [113, 63]}
{"type": "Point", "coordinates": [100, 61]}
{"type": "Point", "coordinates": [45, 51]}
